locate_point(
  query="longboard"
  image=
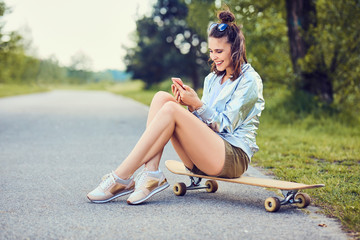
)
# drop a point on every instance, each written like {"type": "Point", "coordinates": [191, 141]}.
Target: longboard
{"type": "Point", "coordinates": [272, 204]}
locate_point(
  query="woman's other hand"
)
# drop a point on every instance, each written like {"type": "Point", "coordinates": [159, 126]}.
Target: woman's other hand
{"type": "Point", "coordinates": [176, 93]}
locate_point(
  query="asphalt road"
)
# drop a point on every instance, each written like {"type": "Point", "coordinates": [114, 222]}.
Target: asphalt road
{"type": "Point", "coordinates": [55, 147]}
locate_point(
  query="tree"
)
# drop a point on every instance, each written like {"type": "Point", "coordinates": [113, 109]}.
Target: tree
{"type": "Point", "coordinates": [50, 71]}
{"type": "Point", "coordinates": [79, 70]}
{"type": "Point", "coordinates": [328, 66]}
{"type": "Point", "coordinates": [167, 46]}
{"type": "Point", "coordinates": [15, 65]}
{"type": "Point", "coordinates": [301, 17]}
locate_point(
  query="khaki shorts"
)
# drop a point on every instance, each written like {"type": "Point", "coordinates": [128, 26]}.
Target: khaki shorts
{"type": "Point", "coordinates": [236, 163]}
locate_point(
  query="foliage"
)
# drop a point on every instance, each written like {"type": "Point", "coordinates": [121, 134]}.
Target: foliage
{"type": "Point", "coordinates": [49, 71]}
{"type": "Point", "coordinates": [335, 50]}
{"type": "Point", "coordinates": [15, 66]}
{"type": "Point", "coordinates": [167, 46]}
{"type": "Point", "coordinates": [200, 14]}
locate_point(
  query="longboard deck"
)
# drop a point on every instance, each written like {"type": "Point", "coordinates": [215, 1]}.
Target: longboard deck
{"type": "Point", "coordinates": [179, 168]}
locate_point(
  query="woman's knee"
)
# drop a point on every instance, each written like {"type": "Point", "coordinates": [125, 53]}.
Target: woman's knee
{"type": "Point", "coordinates": [158, 101]}
{"type": "Point", "coordinates": [162, 97]}
{"type": "Point", "coordinates": [170, 108]}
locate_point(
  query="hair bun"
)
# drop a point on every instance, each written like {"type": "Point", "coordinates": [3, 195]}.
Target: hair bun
{"type": "Point", "coordinates": [226, 17]}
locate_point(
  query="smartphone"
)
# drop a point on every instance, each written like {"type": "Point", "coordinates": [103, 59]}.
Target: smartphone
{"type": "Point", "coordinates": [178, 81]}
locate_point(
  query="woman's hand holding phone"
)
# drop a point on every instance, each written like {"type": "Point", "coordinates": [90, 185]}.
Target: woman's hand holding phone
{"type": "Point", "coordinates": [185, 95]}
{"type": "Point", "coordinates": [177, 83]}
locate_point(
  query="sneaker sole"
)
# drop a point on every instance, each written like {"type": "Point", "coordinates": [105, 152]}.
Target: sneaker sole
{"type": "Point", "coordinates": [157, 190]}
{"type": "Point", "coordinates": [112, 198]}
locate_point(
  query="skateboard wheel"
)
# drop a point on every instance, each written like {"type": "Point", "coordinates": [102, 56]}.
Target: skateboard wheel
{"type": "Point", "coordinates": [179, 189]}
{"type": "Point", "coordinates": [272, 204]}
{"type": "Point", "coordinates": [304, 200]}
{"type": "Point", "coordinates": [211, 186]}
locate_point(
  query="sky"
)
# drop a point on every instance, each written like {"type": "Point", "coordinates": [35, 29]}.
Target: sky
{"type": "Point", "coordinates": [65, 28]}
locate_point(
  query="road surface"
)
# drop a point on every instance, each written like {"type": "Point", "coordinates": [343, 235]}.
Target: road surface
{"type": "Point", "coordinates": [55, 147]}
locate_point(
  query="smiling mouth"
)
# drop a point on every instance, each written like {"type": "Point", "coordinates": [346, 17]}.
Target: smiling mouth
{"type": "Point", "coordinates": [219, 63]}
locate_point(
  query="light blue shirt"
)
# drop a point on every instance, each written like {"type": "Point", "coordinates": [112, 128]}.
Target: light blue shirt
{"type": "Point", "coordinates": [217, 88]}
{"type": "Point", "coordinates": [234, 111]}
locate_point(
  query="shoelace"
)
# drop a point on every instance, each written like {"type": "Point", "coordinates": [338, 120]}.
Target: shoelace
{"type": "Point", "coordinates": [140, 178]}
{"type": "Point", "coordinates": [108, 180]}
{"type": "Point", "coordinates": [139, 175]}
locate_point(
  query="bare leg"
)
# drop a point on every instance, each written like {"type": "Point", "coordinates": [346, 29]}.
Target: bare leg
{"type": "Point", "coordinates": [157, 102]}
{"type": "Point", "coordinates": [202, 146]}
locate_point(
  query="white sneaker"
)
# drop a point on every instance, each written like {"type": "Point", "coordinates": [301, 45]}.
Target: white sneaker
{"type": "Point", "coordinates": [147, 184]}
{"type": "Point", "coordinates": [110, 188]}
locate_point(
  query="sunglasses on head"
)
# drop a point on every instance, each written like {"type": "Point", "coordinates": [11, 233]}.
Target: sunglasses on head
{"type": "Point", "coordinates": [219, 26]}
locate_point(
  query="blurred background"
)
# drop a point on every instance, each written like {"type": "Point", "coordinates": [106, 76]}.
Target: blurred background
{"type": "Point", "coordinates": [311, 47]}
{"type": "Point", "coordinates": [307, 53]}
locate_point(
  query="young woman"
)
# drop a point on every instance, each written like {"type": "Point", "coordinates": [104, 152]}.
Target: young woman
{"type": "Point", "coordinates": [215, 136]}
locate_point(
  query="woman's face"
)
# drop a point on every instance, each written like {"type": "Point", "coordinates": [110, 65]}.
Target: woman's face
{"type": "Point", "coordinates": [220, 53]}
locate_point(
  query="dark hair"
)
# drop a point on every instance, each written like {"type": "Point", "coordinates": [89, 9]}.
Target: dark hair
{"type": "Point", "coordinates": [235, 37]}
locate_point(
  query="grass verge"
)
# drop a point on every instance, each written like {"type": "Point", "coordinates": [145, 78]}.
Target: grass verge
{"type": "Point", "coordinates": [131, 89]}
{"type": "Point", "coordinates": [326, 154]}
{"type": "Point", "coordinates": [7, 90]}
{"type": "Point", "coordinates": [134, 90]}
{"type": "Point", "coordinates": [317, 146]}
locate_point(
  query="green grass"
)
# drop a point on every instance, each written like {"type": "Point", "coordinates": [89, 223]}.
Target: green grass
{"type": "Point", "coordinates": [7, 90]}
{"type": "Point", "coordinates": [133, 90]}
{"type": "Point", "coordinates": [321, 154]}
{"type": "Point", "coordinates": [94, 86]}
{"type": "Point", "coordinates": [317, 146]}
{"type": "Point", "coordinates": [304, 146]}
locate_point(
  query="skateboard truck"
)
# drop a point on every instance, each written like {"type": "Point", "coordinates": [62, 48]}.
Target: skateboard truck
{"type": "Point", "coordinates": [180, 188]}
{"type": "Point", "coordinates": [301, 200]}
{"type": "Point", "coordinates": [195, 183]}
{"type": "Point", "coordinates": [289, 197]}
